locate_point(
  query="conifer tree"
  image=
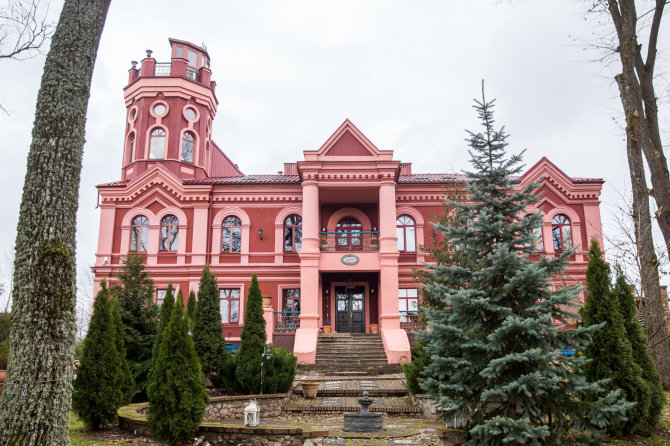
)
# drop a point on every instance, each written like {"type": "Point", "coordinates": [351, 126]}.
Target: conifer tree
{"type": "Point", "coordinates": [177, 390]}
{"type": "Point", "coordinates": [495, 352]}
{"type": "Point", "coordinates": [640, 347]}
{"type": "Point", "coordinates": [191, 308]}
{"type": "Point", "coordinates": [207, 328]}
{"type": "Point", "coordinates": [125, 381]}
{"type": "Point", "coordinates": [164, 315]}
{"type": "Point", "coordinates": [179, 300]}
{"type": "Point", "coordinates": [252, 342]}
{"type": "Point", "coordinates": [138, 314]}
{"type": "Point", "coordinates": [610, 352]}
{"type": "Point", "coordinates": [97, 393]}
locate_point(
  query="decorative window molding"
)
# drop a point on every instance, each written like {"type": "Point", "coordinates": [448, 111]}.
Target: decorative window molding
{"type": "Point", "coordinates": [157, 143]}
{"type": "Point", "coordinates": [349, 212]}
{"type": "Point", "coordinates": [406, 233]}
{"type": "Point", "coordinates": [217, 233]}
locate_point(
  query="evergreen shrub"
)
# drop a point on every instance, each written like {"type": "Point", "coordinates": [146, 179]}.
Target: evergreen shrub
{"type": "Point", "coordinates": [248, 371]}
{"type": "Point", "coordinates": [98, 394]}
{"type": "Point", "coordinates": [610, 352]}
{"type": "Point", "coordinates": [207, 328]}
{"type": "Point", "coordinates": [279, 370]}
{"type": "Point", "coordinates": [414, 370]}
{"type": "Point", "coordinates": [177, 388]}
{"type": "Point", "coordinates": [640, 346]}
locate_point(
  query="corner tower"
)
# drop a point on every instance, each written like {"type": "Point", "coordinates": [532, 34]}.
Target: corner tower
{"type": "Point", "coordinates": [170, 107]}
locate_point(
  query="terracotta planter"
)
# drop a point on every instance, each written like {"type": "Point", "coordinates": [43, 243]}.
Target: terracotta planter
{"type": "Point", "coordinates": [374, 328]}
{"type": "Point", "coordinates": [267, 301]}
{"type": "Point", "coordinates": [3, 377]}
{"type": "Point", "coordinates": [326, 328]}
{"type": "Point", "coordinates": [309, 389]}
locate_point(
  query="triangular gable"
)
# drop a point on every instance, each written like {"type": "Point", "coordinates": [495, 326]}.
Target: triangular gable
{"type": "Point", "coordinates": [348, 141]}
{"type": "Point", "coordinates": [546, 172]}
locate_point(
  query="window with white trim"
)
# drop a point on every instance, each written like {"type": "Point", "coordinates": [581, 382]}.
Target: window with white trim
{"type": "Point", "coordinates": [229, 305]}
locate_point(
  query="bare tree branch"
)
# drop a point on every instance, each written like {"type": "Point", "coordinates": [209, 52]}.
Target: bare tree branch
{"type": "Point", "coordinates": [24, 29]}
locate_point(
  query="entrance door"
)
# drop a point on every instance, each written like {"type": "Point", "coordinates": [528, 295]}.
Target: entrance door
{"type": "Point", "coordinates": [350, 309]}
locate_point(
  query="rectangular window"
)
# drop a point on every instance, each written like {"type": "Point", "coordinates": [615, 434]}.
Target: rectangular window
{"type": "Point", "coordinates": [229, 305]}
{"type": "Point", "coordinates": [192, 59]}
{"type": "Point", "coordinates": [291, 300]}
{"type": "Point", "coordinates": [408, 301]}
{"type": "Point", "coordinates": [160, 296]}
{"type": "Point", "coordinates": [180, 51]}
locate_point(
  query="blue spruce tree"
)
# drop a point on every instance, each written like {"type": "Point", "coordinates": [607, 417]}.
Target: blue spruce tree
{"type": "Point", "coordinates": [495, 350]}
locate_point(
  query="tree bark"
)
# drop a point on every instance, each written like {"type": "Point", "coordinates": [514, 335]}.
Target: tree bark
{"type": "Point", "coordinates": [639, 83]}
{"type": "Point", "coordinates": [36, 399]}
{"type": "Point", "coordinates": [654, 304]}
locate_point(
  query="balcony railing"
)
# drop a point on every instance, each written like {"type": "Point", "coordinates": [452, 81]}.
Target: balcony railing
{"type": "Point", "coordinates": [349, 241]}
{"type": "Point", "coordinates": [409, 321]}
{"type": "Point", "coordinates": [163, 68]}
{"type": "Point", "coordinates": [286, 321]}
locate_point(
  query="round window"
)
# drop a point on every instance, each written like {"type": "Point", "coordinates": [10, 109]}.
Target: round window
{"type": "Point", "coordinates": [190, 114]}
{"type": "Point", "coordinates": [159, 109]}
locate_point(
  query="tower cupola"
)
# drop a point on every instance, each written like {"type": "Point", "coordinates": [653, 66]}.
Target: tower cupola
{"type": "Point", "coordinates": [170, 108]}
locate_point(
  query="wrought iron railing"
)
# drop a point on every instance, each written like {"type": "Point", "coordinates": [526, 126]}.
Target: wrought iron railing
{"type": "Point", "coordinates": [163, 68]}
{"type": "Point", "coordinates": [287, 321]}
{"type": "Point", "coordinates": [349, 241]}
{"type": "Point", "coordinates": [409, 321]}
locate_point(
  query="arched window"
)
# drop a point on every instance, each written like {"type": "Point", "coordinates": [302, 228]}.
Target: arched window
{"type": "Point", "coordinates": [348, 237]}
{"type": "Point", "coordinates": [231, 234]}
{"type": "Point", "coordinates": [187, 143]}
{"type": "Point", "coordinates": [131, 148]}
{"type": "Point", "coordinates": [538, 242]}
{"type": "Point", "coordinates": [406, 233]}
{"type": "Point", "coordinates": [561, 232]}
{"type": "Point", "coordinates": [157, 144]}
{"type": "Point", "coordinates": [169, 233]}
{"type": "Point", "coordinates": [139, 234]}
{"type": "Point", "coordinates": [292, 233]}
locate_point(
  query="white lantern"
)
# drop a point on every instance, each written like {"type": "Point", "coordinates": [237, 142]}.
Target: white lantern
{"type": "Point", "coordinates": [252, 414]}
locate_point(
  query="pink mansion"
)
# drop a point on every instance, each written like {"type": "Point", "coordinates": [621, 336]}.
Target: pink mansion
{"type": "Point", "coordinates": [334, 237]}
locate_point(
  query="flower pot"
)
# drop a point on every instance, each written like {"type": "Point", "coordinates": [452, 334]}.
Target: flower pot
{"type": "Point", "coordinates": [309, 389]}
{"type": "Point", "coordinates": [326, 328]}
{"type": "Point", "coordinates": [267, 301]}
{"type": "Point", "coordinates": [3, 377]}
{"type": "Point", "coordinates": [374, 328]}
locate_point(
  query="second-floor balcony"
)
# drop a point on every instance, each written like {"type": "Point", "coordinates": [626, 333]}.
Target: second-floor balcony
{"type": "Point", "coordinates": [349, 241]}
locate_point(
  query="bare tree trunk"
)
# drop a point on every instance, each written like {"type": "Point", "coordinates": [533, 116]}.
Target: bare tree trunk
{"type": "Point", "coordinates": [654, 304]}
{"type": "Point", "coordinates": [36, 399]}
{"type": "Point", "coordinates": [638, 80]}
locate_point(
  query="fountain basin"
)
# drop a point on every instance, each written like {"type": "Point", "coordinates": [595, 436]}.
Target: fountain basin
{"type": "Point", "coordinates": [363, 422]}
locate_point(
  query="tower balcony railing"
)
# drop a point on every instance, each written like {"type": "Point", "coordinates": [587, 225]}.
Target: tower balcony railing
{"type": "Point", "coordinates": [354, 241]}
{"type": "Point", "coordinates": [164, 69]}
{"type": "Point", "coordinates": [409, 321]}
{"type": "Point", "coordinates": [286, 322]}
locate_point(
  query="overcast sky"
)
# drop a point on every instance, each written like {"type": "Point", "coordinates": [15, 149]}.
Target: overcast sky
{"type": "Point", "coordinates": [404, 72]}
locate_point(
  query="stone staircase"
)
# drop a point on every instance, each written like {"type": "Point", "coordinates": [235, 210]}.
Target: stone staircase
{"type": "Point", "coordinates": [351, 354]}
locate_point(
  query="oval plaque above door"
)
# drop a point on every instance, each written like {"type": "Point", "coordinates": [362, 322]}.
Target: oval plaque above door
{"type": "Point", "coordinates": [349, 259]}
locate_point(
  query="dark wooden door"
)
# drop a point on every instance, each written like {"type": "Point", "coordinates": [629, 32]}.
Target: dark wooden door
{"type": "Point", "coordinates": [350, 309]}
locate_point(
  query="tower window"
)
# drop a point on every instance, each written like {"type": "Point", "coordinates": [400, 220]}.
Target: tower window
{"type": "Point", "coordinates": [131, 148]}
{"type": "Point", "coordinates": [157, 144]}
{"type": "Point", "coordinates": [169, 233]}
{"type": "Point", "coordinates": [139, 234]}
{"type": "Point", "coordinates": [159, 109]}
{"type": "Point", "coordinates": [190, 113]}
{"type": "Point", "coordinates": [187, 143]}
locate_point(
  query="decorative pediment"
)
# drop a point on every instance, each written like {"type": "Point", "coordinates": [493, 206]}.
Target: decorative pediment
{"type": "Point", "coordinates": [546, 173]}
{"type": "Point", "coordinates": [347, 141]}
{"type": "Point", "coordinates": [166, 181]}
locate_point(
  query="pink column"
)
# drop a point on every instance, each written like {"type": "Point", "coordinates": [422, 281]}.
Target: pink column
{"type": "Point", "coordinates": [200, 231]}
{"type": "Point", "coordinates": [307, 335]}
{"type": "Point", "coordinates": [268, 315]}
{"type": "Point", "coordinates": [394, 338]}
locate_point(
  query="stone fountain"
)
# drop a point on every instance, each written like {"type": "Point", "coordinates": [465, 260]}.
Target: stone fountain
{"type": "Point", "coordinates": [364, 421]}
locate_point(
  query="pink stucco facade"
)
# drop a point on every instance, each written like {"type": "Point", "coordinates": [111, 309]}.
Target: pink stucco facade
{"type": "Point", "coordinates": [334, 238]}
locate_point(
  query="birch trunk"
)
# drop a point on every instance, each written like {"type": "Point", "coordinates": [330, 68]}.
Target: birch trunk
{"type": "Point", "coordinates": [36, 400]}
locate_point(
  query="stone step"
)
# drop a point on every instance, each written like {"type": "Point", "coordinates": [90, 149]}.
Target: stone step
{"type": "Point", "coordinates": [345, 359]}
{"type": "Point", "coordinates": [344, 370]}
